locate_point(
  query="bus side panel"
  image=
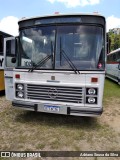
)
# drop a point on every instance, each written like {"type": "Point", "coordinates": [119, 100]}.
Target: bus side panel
{"type": "Point", "coordinates": [9, 85]}
{"type": "Point", "coordinates": [2, 85]}
{"type": "Point", "coordinates": [112, 72]}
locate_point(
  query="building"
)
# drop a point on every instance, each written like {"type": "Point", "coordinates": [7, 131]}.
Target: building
{"type": "Point", "coordinates": [115, 30]}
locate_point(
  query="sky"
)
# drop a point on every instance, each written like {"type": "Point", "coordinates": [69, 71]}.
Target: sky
{"type": "Point", "coordinates": [11, 11]}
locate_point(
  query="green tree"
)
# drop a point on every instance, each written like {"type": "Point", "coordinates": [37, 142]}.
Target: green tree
{"type": "Point", "coordinates": [114, 40]}
{"type": "Point", "coordinates": [117, 42]}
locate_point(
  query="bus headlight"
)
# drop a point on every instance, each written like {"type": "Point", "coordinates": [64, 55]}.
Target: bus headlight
{"type": "Point", "coordinates": [91, 100]}
{"type": "Point", "coordinates": [91, 91]}
{"type": "Point", "coordinates": [19, 87]}
{"type": "Point", "coordinates": [19, 90]}
{"type": "Point", "coordinates": [20, 94]}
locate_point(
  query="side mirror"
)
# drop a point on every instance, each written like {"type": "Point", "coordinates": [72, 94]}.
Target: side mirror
{"type": "Point", "coordinates": [13, 60]}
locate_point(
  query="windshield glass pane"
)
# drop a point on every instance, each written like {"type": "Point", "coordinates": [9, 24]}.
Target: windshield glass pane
{"type": "Point", "coordinates": [82, 44]}
{"type": "Point", "coordinates": [35, 45]}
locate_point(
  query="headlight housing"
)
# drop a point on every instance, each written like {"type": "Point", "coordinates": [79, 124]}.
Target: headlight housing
{"type": "Point", "coordinates": [19, 90]}
{"type": "Point", "coordinates": [91, 95]}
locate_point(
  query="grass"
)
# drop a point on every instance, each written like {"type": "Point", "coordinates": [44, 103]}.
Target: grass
{"type": "Point", "coordinates": [30, 131]}
{"type": "Point", "coordinates": [112, 90]}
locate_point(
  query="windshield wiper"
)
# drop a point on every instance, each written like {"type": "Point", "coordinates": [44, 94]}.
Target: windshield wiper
{"type": "Point", "coordinates": [40, 63]}
{"type": "Point", "coordinates": [44, 60]}
{"type": "Point", "coordinates": [62, 52]}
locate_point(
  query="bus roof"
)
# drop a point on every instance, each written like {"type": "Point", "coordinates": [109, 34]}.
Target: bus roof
{"type": "Point", "coordinates": [5, 34]}
{"type": "Point", "coordinates": [59, 15]}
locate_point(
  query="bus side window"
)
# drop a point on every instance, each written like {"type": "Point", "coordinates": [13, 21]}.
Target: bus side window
{"type": "Point", "coordinates": [115, 59]}
{"type": "Point", "coordinates": [111, 58]}
{"type": "Point", "coordinates": [10, 52]}
{"type": "Point", "coordinates": [118, 56]}
{"type": "Point", "coordinates": [108, 59]}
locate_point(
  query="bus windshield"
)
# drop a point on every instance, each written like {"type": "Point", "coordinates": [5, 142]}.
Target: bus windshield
{"type": "Point", "coordinates": [82, 44]}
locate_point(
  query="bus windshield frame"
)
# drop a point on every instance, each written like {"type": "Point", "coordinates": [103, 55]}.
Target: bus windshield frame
{"type": "Point", "coordinates": [84, 45]}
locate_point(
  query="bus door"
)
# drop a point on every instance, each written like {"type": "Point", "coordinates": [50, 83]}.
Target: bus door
{"type": "Point", "coordinates": [9, 53]}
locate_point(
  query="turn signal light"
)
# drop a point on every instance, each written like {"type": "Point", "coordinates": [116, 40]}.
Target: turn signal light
{"type": "Point", "coordinates": [94, 80]}
{"type": "Point", "coordinates": [17, 76]}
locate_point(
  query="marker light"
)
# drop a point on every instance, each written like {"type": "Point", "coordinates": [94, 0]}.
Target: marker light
{"type": "Point", "coordinates": [17, 76]}
{"type": "Point", "coordinates": [95, 12]}
{"type": "Point", "coordinates": [94, 79]}
{"type": "Point", "coordinates": [56, 13]}
{"type": "Point", "coordinates": [99, 65]}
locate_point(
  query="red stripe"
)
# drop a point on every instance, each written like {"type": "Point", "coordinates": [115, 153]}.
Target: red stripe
{"type": "Point", "coordinates": [112, 62]}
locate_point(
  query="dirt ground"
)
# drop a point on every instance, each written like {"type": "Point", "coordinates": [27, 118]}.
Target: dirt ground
{"type": "Point", "coordinates": [29, 131]}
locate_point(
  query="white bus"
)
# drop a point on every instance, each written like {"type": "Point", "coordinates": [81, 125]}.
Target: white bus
{"type": "Point", "coordinates": [113, 65]}
{"type": "Point", "coordinates": [2, 36]}
{"type": "Point", "coordinates": [60, 65]}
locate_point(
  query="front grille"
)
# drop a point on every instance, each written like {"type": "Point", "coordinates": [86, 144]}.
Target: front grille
{"type": "Point", "coordinates": [55, 93]}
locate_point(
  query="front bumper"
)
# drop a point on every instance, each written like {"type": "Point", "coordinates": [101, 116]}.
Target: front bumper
{"type": "Point", "coordinates": [64, 109]}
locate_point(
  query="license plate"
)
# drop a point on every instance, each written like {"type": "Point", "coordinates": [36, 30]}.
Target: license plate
{"type": "Point", "coordinates": [51, 108]}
